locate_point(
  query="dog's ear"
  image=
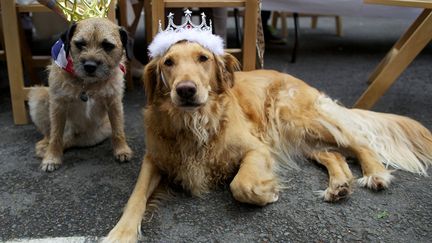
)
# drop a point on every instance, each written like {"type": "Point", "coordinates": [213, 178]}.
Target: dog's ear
{"type": "Point", "coordinates": [226, 66]}
{"type": "Point", "coordinates": [66, 37]}
{"type": "Point", "coordinates": [151, 79]}
{"type": "Point", "coordinates": [127, 42]}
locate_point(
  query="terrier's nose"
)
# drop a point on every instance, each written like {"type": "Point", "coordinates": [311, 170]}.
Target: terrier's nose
{"type": "Point", "coordinates": [90, 66]}
{"type": "Point", "coordinates": [186, 89]}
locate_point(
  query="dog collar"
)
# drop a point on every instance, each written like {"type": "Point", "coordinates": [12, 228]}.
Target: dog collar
{"type": "Point", "coordinates": [64, 61]}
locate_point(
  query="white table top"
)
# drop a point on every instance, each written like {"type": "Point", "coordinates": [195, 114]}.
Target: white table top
{"type": "Point", "coordinates": [340, 7]}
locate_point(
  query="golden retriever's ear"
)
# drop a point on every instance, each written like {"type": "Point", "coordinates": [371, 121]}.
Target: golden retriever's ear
{"type": "Point", "coordinates": [151, 80]}
{"type": "Point", "coordinates": [226, 66]}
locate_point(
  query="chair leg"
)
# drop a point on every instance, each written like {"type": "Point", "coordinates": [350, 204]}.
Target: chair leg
{"type": "Point", "coordinates": [284, 25]}
{"type": "Point", "coordinates": [338, 22]}
{"type": "Point", "coordinates": [158, 14]}
{"type": "Point", "coordinates": [398, 59]}
{"type": "Point", "coordinates": [137, 12]}
{"type": "Point", "coordinates": [122, 7]}
{"type": "Point", "coordinates": [27, 56]}
{"type": "Point", "coordinates": [250, 35]}
{"type": "Point", "coordinates": [112, 11]}
{"type": "Point", "coordinates": [237, 27]}
{"type": "Point", "coordinates": [275, 17]}
{"type": "Point", "coordinates": [148, 21]}
{"type": "Point", "coordinates": [314, 22]}
{"type": "Point", "coordinates": [296, 37]}
{"type": "Point", "coordinates": [14, 64]}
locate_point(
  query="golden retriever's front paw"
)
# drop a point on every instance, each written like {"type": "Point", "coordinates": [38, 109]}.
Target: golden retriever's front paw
{"type": "Point", "coordinates": [122, 235]}
{"type": "Point", "coordinates": [336, 192]}
{"type": "Point", "coordinates": [258, 192]}
{"type": "Point", "coordinates": [377, 181]}
{"type": "Point", "coordinates": [123, 154]}
{"type": "Point", "coordinates": [50, 163]}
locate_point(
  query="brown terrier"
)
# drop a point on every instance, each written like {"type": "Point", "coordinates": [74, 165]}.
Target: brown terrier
{"type": "Point", "coordinates": [83, 104]}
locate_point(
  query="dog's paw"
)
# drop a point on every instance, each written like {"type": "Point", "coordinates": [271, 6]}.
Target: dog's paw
{"type": "Point", "coordinates": [50, 163]}
{"type": "Point", "coordinates": [258, 192]}
{"type": "Point", "coordinates": [123, 154]}
{"type": "Point", "coordinates": [120, 235]}
{"type": "Point", "coordinates": [41, 148]}
{"type": "Point", "coordinates": [335, 192]}
{"type": "Point", "coordinates": [377, 181]}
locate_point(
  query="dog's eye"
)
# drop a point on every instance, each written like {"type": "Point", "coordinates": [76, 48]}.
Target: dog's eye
{"type": "Point", "coordinates": [107, 46]}
{"type": "Point", "coordinates": [168, 62]}
{"type": "Point", "coordinates": [203, 58]}
{"type": "Point", "coordinates": [80, 44]}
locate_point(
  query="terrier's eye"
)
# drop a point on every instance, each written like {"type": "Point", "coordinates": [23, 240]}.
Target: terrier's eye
{"type": "Point", "coordinates": [168, 62]}
{"type": "Point", "coordinates": [203, 58]}
{"type": "Point", "coordinates": [80, 44]}
{"type": "Point", "coordinates": [107, 46]}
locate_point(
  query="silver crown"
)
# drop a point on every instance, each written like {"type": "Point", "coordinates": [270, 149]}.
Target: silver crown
{"type": "Point", "coordinates": [187, 24]}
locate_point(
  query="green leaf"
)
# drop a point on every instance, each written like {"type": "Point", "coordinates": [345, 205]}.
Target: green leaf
{"type": "Point", "coordinates": [383, 214]}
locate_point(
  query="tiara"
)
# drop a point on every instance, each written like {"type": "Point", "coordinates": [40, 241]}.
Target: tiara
{"type": "Point", "coordinates": [76, 10]}
{"type": "Point", "coordinates": [187, 24]}
{"type": "Point", "coordinates": [201, 34]}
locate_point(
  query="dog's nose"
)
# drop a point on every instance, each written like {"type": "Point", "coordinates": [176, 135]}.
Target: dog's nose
{"type": "Point", "coordinates": [186, 89]}
{"type": "Point", "coordinates": [90, 66]}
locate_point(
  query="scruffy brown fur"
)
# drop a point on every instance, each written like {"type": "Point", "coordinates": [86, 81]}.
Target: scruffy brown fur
{"type": "Point", "coordinates": [249, 125]}
{"type": "Point", "coordinates": [59, 113]}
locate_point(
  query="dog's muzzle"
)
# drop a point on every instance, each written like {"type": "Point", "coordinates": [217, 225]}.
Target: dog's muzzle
{"type": "Point", "coordinates": [90, 66]}
{"type": "Point", "coordinates": [186, 91]}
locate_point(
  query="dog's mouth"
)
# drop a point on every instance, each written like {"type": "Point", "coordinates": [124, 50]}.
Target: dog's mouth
{"type": "Point", "coordinates": [189, 105]}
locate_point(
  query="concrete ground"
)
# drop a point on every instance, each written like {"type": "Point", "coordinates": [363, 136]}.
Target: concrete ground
{"type": "Point", "coordinates": [86, 195]}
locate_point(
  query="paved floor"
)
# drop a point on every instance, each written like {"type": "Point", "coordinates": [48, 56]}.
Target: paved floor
{"type": "Point", "coordinates": [86, 195]}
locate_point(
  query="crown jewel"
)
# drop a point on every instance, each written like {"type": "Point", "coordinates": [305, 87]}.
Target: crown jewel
{"type": "Point", "coordinates": [187, 24]}
{"type": "Point", "coordinates": [201, 34]}
{"type": "Point", "coordinates": [76, 10]}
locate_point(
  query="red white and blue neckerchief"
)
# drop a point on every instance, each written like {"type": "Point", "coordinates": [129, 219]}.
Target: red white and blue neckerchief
{"type": "Point", "coordinates": [64, 61]}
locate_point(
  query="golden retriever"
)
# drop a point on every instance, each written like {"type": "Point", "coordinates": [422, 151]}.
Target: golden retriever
{"type": "Point", "coordinates": [206, 123]}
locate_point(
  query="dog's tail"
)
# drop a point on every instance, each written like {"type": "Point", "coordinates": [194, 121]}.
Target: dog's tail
{"type": "Point", "coordinates": [399, 141]}
{"type": "Point", "coordinates": [39, 108]}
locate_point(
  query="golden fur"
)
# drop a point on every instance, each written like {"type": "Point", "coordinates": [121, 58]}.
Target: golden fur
{"type": "Point", "coordinates": [249, 125]}
{"type": "Point", "coordinates": [58, 112]}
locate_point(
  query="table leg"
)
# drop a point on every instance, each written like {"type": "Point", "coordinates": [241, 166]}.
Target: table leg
{"type": "Point", "coordinates": [13, 59]}
{"type": "Point", "coordinates": [397, 60]}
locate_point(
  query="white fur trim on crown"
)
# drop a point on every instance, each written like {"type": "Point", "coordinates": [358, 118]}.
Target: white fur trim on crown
{"type": "Point", "coordinates": [165, 39]}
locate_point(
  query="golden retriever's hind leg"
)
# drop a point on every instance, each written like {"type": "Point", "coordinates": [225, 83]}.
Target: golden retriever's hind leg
{"type": "Point", "coordinates": [375, 175]}
{"type": "Point", "coordinates": [41, 147]}
{"type": "Point", "coordinates": [256, 182]}
{"type": "Point", "coordinates": [340, 176]}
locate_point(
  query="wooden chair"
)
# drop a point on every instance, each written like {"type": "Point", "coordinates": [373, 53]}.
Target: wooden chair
{"type": "Point", "coordinates": [409, 45]}
{"type": "Point", "coordinates": [250, 21]}
{"type": "Point", "coordinates": [13, 51]}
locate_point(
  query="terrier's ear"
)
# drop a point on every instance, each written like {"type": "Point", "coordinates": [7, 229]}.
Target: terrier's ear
{"type": "Point", "coordinates": [127, 42]}
{"type": "Point", "coordinates": [66, 37]}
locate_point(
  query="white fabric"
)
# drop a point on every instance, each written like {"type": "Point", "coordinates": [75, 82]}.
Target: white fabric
{"type": "Point", "coordinates": [356, 8]}
{"type": "Point", "coordinates": [165, 39]}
